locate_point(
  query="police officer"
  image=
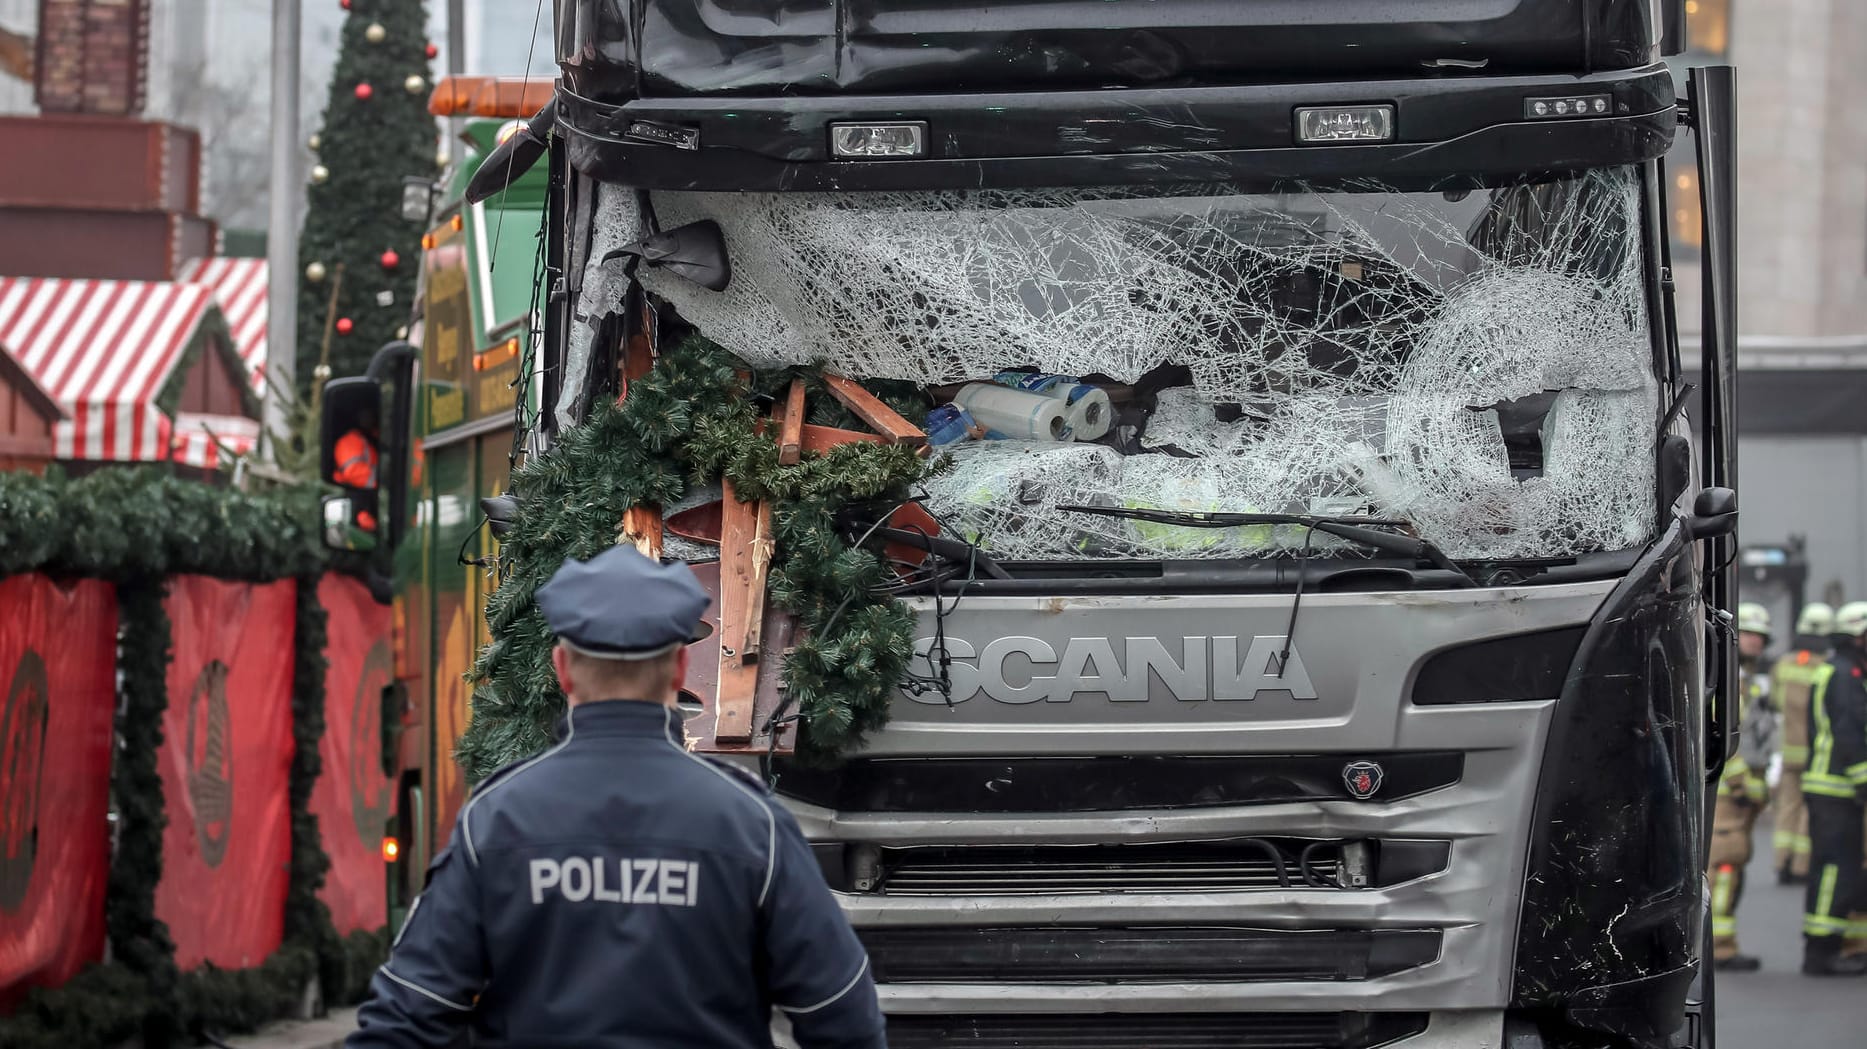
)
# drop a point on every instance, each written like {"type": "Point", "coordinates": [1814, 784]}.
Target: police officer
{"type": "Point", "coordinates": [1742, 793]}
{"type": "Point", "coordinates": [616, 889]}
{"type": "Point", "coordinates": [1791, 681]}
{"type": "Point", "coordinates": [1835, 786]}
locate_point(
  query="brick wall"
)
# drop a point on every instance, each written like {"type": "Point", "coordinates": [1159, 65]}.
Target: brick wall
{"type": "Point", "coordinates": [93, 56]}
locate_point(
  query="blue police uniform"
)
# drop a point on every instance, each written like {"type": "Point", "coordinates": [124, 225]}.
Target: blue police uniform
{"type": "Point", "coordinates": [617, 890]}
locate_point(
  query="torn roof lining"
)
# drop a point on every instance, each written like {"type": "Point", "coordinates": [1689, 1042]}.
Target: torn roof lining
{"type": "Point", "coordinates": [1292, 304]}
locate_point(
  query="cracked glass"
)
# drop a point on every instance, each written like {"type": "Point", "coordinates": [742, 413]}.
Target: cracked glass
{"type": "Point", "coordinates": [1476, 362]}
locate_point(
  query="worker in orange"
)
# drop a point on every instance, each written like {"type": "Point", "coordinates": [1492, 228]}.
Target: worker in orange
{"type": "Point", "coordinates": [356, 465]}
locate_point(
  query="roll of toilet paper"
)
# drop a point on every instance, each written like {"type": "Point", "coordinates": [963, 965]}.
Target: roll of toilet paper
{"type": "Point", "coordinates": [1086, 407]}
{"type": "Point", "coordinates": [1015, 414]}
{"type": "Point", "coordinates": [1088, 410]}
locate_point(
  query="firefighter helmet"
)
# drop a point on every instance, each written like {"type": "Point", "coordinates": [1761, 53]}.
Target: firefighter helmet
{"type": "Point", "coordinates": [1817, 619]}
{"type": "Point", "coordinates": [1753, 618]}
{"type": "Point", "coordinates": [1851, 619]}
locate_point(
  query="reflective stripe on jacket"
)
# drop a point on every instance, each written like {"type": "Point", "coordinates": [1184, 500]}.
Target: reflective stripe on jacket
{"type": "Point", "coordinates": [1838, 730]}
{"type": "Point", "coordinates": [1740, 780]}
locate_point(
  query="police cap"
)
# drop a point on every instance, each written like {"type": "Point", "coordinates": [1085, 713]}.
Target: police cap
{"type": "Point", "coordinates": [622, 605]}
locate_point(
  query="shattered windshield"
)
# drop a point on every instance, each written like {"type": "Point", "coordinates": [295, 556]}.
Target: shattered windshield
{"type": "Point", "coordinates": [1478, 363]}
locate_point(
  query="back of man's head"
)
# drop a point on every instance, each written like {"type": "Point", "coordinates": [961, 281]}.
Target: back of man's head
{"type": "Point", "coordinates": [593, 678]}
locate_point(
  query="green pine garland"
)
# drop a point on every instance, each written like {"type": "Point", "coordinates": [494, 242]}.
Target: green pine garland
{"type": "Point", "coordinates": [136, 526]}
{"type": "Point", "coordinates": [135, 522]}
{"type": "Point", "coordinates": [691, 420]}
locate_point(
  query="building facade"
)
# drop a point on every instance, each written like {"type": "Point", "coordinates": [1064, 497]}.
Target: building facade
{"type": "Point", "coordinates": [1801, 254]}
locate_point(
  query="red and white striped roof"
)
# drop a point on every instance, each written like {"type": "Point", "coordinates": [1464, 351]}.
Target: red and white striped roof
{"type": "Point", "coordinates": [204, 440]}
{"type": "Point", "coordinates": [103, 349]}
{"type": "Point", "coordinates": [240, 285]}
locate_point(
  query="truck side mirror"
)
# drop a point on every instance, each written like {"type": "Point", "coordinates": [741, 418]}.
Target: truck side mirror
{"type": "Point", "coordinates": [351, 418]}
{"type": "Point", "coordinates": [501, 511]}
{"type": "Point", "coordinates": [350, 455]}
{"type": "Point", "coordinates": [695, 252]}
{"type": "Point", "coordinates": [342, 531]}
{"type": "Point", "coordinates": [1714, 513]}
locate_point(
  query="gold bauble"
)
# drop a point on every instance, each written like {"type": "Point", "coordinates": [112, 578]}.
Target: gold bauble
{"type": "Point", "coordinates": [375, 34]}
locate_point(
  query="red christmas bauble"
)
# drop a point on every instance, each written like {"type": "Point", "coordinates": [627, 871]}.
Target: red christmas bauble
{"type": "Point", "coordinates": [344, 325]}
{"type": "Point", "coordinates": [433, 51]}
{"type": "Point", "coordinates": [364, 91]}
{"type": "Point", "coordinates": [345, 4]}
{"type": "Point", "coordinates": [390, 260]}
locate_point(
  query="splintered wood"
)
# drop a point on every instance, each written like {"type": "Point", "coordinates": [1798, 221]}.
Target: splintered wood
{"type": "Point", "coordinates": [739, 570]}
{"type": "Point", "coordinates": [702, 686]}
{"type": "Point", "coordinates": [641, 528]}
{"type": "Point", "coordinates": [745, 639]}
{"type": "Point", "coordinates": [762, 549]}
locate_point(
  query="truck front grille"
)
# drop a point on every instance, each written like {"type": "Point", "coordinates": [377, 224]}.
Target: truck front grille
{"type": "Point", "coordinates": [1105, 784]}
{"type": "Point", "coordinates": [1052, 954]}
{"type": "Point", "coordinates": [1227, 865]}
{"type": "Point", "coordinates": [935, 877]}
{"type": "Point", "coordinates": [1155, 1031]}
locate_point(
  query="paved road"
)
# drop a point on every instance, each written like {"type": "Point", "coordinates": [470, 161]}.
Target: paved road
{"type": "Point", "coordinates": [1778, 1008]}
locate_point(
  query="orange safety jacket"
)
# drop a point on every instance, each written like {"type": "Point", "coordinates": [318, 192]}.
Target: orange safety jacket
{"type": "Point", "coordinates": [356, 461]}
{"type": "Point", "coordinates": [356, 468]}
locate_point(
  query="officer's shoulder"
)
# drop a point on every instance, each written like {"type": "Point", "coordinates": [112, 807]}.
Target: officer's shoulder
{"type": "Point", "coordinates": [739, 773]}
{"type": "Point", "coordinates": [495, 777]}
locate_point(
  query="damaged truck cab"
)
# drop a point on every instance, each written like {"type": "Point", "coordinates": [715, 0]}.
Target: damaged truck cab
{"type": "Point", "coordinates": [1201, 763]}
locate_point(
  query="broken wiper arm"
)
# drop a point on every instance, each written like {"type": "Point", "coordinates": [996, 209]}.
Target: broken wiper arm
{"type": "Point", "coordinates": [1363, 530]}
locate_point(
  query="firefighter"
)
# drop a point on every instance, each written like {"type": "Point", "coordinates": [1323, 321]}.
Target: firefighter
{"type": "Point", "coordinates": [1742, 793]}
{"type": "Point", "coordinates": [1790, 681]}
{"type": "Point", "coordinates": [1835, 787]}
{"type": "Point", "coordinates": [356, 467]}
{"type": "Point", "coordinates": [617, 889]}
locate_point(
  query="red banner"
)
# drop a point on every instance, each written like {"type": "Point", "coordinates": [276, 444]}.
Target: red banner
{"type": "Point", "coordinates": [226, 763]}
{"type": "Point", "coordinates": [58, 668]}
{"type": "Point", "coordinates": [352, 796]}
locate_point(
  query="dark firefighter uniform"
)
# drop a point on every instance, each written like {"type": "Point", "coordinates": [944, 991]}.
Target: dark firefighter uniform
{"type": "Point", "coordinates": [1792, 680]}
{"type": "Point", "coordinates": [617, 890]}
{"type": "Point", "coordinates": [1742, 793]}
{"type": "Point", "coordinates": [1835, 787]}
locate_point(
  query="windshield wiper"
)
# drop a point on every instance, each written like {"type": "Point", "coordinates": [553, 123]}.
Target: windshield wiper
{"type": "Point", "coordinates": [1363, 530]}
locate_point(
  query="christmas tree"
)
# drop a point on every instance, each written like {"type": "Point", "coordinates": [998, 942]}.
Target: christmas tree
{"type": "Point", "coordinates": [377, 131]}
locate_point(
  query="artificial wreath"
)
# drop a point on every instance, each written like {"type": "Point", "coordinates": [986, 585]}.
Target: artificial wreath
{"type": "Point", "coordinates": [693, 419]}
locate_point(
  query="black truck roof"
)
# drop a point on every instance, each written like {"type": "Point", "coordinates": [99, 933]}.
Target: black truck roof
{"type": "Point", "coordinates": [615, 50]}
{"type": "Point", "coordinates": [743, 94]}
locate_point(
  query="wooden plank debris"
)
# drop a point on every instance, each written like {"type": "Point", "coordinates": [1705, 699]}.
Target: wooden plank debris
{"type": "Point", "coordinates": [791, 430]}
{"type": "Point", "coordinates": [738, 676]}
{"type": "Point", "coordinates": [702, 684]}
{"type": "Point", "coordinates": [870, 409]}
